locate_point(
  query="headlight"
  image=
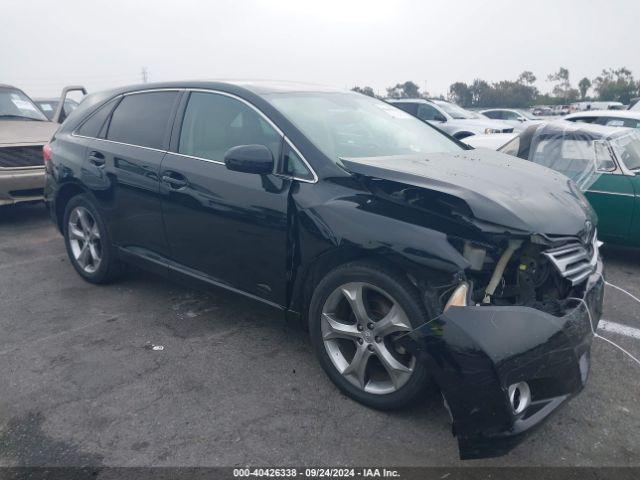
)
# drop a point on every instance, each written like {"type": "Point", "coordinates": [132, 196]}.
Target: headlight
{"type": "Point", "coordinates": [459, 297]}
{"type": "Point", "coordinates": [491, 130]}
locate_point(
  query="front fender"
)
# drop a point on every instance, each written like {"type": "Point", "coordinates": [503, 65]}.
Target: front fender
{"type": "Point", "coordinates": [357, 223]}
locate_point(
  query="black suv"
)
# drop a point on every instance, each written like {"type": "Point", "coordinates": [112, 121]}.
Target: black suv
{"type": "Point", "coordinates": [411, 259]}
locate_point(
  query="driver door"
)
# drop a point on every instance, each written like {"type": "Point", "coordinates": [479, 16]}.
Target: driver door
{"type": "Point", "coordinates": [223, 226]}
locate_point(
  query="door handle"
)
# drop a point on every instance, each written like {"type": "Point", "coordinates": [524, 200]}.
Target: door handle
{"type": "Point", "coordinates": [175, 180]}
{"type": "Point", "coordinates": [96, 158]}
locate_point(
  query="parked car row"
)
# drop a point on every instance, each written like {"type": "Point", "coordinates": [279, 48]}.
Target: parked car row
{"type": "Point", "coordinates": [518, 119]}
{"type": "Point", "coordinates": [450, 118]}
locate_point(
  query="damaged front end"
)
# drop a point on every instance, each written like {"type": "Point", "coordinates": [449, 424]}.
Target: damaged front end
{"type": "Point", "coordinates": [516, 319]}
{"type": "Point", "coordinates": [513, 340]}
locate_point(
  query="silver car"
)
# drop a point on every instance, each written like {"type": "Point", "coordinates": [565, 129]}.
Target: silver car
{"type": "Point", "coordinates": [450, 118]}
{"type": "Point", "coordinates": [518, 119]}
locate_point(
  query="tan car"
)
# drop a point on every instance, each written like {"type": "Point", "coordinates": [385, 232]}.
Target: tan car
{"type": "Point", "coordinates": [24, 130]}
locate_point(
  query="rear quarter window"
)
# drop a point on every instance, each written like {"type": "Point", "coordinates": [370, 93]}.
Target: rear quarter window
{"type": "Point", "coordinates": [93, 125]}
{"type": "Point", "coordinates": [142, 119]}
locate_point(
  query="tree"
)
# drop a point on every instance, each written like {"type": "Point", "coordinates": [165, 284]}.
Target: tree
{"type": "Point", "coordinates": [616, 85]}
{"type": "Point", "coordinates": [461, 94]}
{"type": "Point", "coordinates": [584, 85]}
{"type": "Point", "coordinates": [407, 89]}
{"type": "Point", "coordinates": [520, 93]}
{"type": "Point", "coordinates": [364, 90]}
{"type": "Point", "coordinates": [526, 78]}
{"type": "Point", "coordinates": [561, 75]}
{"type": "Point", "coordinates": [480, 93]}
{"type": "Point", "coordinates": [562, 90]}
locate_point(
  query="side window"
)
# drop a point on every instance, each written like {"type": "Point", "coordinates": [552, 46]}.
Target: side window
{"type": "Point", "coordinates": [427, 112]}
{"type": "Point", "coordinates": [142, 119]}
{"type": "Point", "coordinates": [583, 119]}
{"type": "Point", "coordinates": [512, 147]}
{"type": "Point", "coordinates": [407, 107]}
{"type": "Point", "coordinates": [494, 114]}
{"type": "Point", "coordinates": [604, 160]}
{"type": "Point", "coordinates": [294, 166]}
{"type": "Point", "coordinates": [611, 122]}
{"type": "Point", "coordinates": [214, 123]}
{"type": "Point", "coordinates": [93, 125]}
{"type": "Point", "coordinates": [510, 116]}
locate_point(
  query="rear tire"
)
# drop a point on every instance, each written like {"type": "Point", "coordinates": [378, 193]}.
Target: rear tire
{"type": "Point", "coordinates": [88, 242]}
{"type": "Point", "coordinates": [355, 312]}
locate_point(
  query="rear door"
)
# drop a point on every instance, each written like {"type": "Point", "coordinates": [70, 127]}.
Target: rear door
{"type": "Point", "coordinates": [123, 168]}
{"type": "Point", "coordinates": [228, 227]}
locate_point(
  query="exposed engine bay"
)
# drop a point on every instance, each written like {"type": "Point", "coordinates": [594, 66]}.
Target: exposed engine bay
{"type": "Point", "coordinates": [524, 273]}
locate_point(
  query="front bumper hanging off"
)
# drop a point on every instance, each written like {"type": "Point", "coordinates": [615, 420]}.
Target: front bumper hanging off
{"type": "Point", "coordinates": [476, 353]}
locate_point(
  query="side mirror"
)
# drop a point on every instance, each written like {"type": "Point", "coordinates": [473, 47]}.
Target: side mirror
{"type": "Point", "coordinates": [256, 159]}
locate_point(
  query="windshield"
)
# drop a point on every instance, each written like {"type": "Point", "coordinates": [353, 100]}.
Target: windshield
{"type": "Point", "coordinates": [627, 148]}
{"type": "Point", "coordinates": [350, 125]}
{"type": "Point", "coordinates": [479, 115]}
{"type": "Point", "coordinates": [526, 115]}
{"type": "Point", "coordinates": [455, 111]}
{"type": "Point", "coordinates": [565, 148]}
{"type": "Point", "coordinates": [15, 105]}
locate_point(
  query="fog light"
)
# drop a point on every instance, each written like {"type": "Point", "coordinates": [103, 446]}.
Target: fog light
{"type": "Point", "coordinates": [519, 397]}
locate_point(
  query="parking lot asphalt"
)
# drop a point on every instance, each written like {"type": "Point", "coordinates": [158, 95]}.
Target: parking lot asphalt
{"type": "Point", "coordinates": [234, 385]}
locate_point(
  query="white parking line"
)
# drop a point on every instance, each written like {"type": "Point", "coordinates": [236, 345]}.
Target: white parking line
{"type": "Point", "coordinates": [618, 328]}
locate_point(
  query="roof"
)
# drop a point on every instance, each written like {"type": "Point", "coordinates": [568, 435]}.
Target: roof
{"type": "Point", "coordinates": [501, 110]}
{"type": "Point", "coordinates": [634, 114]}
{"type": "Point", "coordinates": [587, 130]}
{"type": "Point", "coordinates": [4, 85]}
{"type": "Point", "coordinates": [258, 87]}
{"type": "Point", "coordinates": [407, 100]}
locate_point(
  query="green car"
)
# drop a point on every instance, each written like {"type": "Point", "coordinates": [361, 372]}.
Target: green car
{"type": "Point", "coordinates": [603, 161]}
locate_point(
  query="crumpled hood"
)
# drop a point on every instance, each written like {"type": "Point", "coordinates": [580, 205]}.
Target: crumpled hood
{"type": "Point", "coordinates": [498, 188]}
{"type": "Point", "coordinates": [26, 132]}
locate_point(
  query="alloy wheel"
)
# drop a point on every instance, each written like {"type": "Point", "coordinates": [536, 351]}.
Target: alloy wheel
{"type": "Point", "coordinates": [358, 325]}
{"type": "Point", "coordinates": [84, 239]}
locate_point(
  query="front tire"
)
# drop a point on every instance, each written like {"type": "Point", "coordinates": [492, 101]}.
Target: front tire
{"type": "Point", "coordinates": [355, 313]}
{"type": "Point", "coordinates": [88, 242]}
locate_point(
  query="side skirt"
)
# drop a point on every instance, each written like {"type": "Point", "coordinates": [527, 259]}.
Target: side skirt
{"type": "Point", "coordinates": [163, 266]}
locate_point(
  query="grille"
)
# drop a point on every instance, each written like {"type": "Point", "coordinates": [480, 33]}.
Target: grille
{"type": "Point", "coordinates": [507, 130]}
{"type": "Point", "coordinates": [15, 157]}
{"type": "Point", "coordinates": [575, 261]}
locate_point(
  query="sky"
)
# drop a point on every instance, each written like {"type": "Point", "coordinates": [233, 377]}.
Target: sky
{"type": "Point", "coordinates": [47, 44]}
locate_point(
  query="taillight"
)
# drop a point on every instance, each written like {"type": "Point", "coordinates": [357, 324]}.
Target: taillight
{"type": "Point", "coordinates": [46, 153]}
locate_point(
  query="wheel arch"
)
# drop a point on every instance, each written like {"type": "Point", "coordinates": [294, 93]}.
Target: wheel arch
{"type": "Point", "coordinates": [65, 193]}
{"type": "Point", "coordinates": [309, 276]}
